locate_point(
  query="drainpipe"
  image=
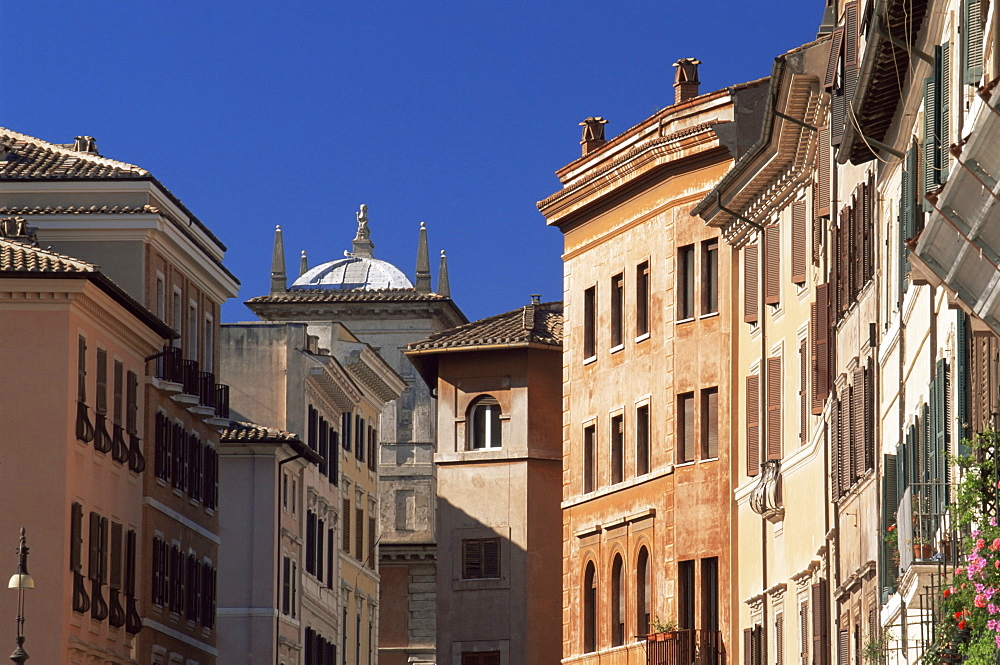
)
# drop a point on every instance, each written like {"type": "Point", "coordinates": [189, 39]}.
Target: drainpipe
{"type": "Point", "coordinates": [277, 558]}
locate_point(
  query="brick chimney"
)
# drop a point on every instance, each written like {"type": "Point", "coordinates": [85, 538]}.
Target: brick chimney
{"type": "Point", "coordinates": [686, 79]}
{"type": "Point", "coordinates": [593, 134]}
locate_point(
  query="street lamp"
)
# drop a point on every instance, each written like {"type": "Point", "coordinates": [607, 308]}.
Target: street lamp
{"type": "Point", "coordinates": [21, 580]}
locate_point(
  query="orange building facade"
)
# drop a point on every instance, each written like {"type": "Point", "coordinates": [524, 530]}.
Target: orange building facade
{"type": "Point", "coordinates": [647, 470]}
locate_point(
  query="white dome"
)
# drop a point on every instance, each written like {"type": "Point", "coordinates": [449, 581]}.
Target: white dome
{"type": "Point", "coordinates": [354, 272]}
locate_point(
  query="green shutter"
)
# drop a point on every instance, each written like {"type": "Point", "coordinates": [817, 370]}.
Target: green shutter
{"type": "Point", "coordinates": [972, 41]}
{"type": "Point", "coordinates": [962, 383]}
{"type": "Point", "coordinates": [907, 215]}
{"type": "Point", "coordinates": [944, 99]}
{"type": "Point", "coordinates": [889, 569]}
{"type": "Point", "coordinates": [931, 151]}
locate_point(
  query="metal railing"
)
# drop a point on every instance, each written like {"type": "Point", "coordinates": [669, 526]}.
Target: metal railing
{"type": "Point", "coordinates": [171, 366]}
{"type": "Point", "coordinates": [685, 647]}
{"type": "Point", "coordinates": [925, 533]}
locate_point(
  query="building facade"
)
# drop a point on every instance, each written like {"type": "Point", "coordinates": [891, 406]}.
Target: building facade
{"type": "Point", "coordinates": [499, 465]}
{"type": "Point", "coordinates": [647, 361]}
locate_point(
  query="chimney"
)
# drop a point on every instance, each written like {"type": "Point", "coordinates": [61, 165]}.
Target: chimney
{"type": "Point", "coordinates": [85, 144]}
{"type": "Point", "coordinates": [593, 134]}
{"type": "Point", "coordinates": [686, 79]}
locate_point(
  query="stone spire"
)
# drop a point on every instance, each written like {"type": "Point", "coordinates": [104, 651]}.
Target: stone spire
{"type": "Point", "coordinates": [423, 284]}
{"type": "Point", "coordinates": [278, 284]}
{"type": "Point", "coordinates": [444, 289]}
{"type": "Point", "coordinates": [303, 264]}
{"type": "Point", "coordinates": [363, 245]}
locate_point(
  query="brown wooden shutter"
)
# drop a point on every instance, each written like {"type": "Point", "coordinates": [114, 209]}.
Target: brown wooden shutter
{"type": "Point", "coordinates": [804, 631]}
{"type": "Point", "coordinates": [747, 646]}
{"type": "Point", "coordinates": [371, 539]}
{"type": "Point", "coordinates": [820, 614]}
{"type": "Point", "coordinates": [774, 408]}
{"type": "Point", "coordinates": [843, 647]}
{"type": "Point", "coordinates": [750, 281]}
{"type": "Point", "coordinates": [859, 421]}
{"type": "Point", "coordinates": [837, 456]}
{"type": "Point", "coordinates": [345, 520]}
{"type": "Point", "coordinates": [867, 229]}
{"type": "Point", "coordinates": [844, 262]}
{"type": "Point", "coordinates": [472, 563]}
{"type": "Point", "coordinates": [779, 639]}
{"type": "Point", "coordinates": [712, 424]}
{"type": "Point", "coordinates": [799, 242]}
{"type": "Point", "coordinates": [491, 557]}
{"type": "Point", "coordinates": [851, 33]}
{"type": "Point", "coordinates": [687, 404]}
{"type": "Point", "coordinates": [821, 343]}
{"type": "Point", "coordinates": [821, 194]}
{"type": "Point", "coordinates": [772, 265]}
{"type": "Point", "coordinates": [115, 576]}
{"type": "Point", "coordinates": [81, 369]}
{"type": "Point", "coordinates": [359, 533]}
{"type": "Point", "coordinates": [102, 381]}
{"type": "Point", "coordinates": [94, 548]}
{"type": "Point", "coordinates": [753, 425]}
{"type": "Point", "coordinates": [76, 538]}
{"type": "Point", "coordinates": [803, 391]}
{"type": "Point", "coordinates": [868, 418]}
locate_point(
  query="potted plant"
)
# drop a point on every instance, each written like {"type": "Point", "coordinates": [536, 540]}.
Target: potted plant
{"type": "Point", "coordinates": [662, 630]}
{"type": "Point", "coordinates": [921, 548]}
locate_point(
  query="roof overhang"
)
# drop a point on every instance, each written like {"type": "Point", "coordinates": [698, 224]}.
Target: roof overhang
{"type": "Point", "coordinates": [783, 156]}
{"type": "Point", "coordinates": [426, 360]}
{"type": "Point", "coordinates": [959, 248]}
{"type": "Point", "coordinates": [885, 64]}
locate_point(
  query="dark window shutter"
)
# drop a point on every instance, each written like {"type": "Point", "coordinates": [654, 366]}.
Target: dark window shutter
{"type": "Point", "coordinates": [838, 99]}
{"type": "Point", "coordinates": [800, 242]}
{"type": "Point", "coordinates": [359, 533]}
{"type": "Point", "coordinates": [821, 336]}
{"type": "Point", "coordinates": [962, 380]}
{"type": "Point", "coordinates": [711, 424]}
{"type": "Point", "coordinates": [115, 576]}
{"type": "Point", "coordinates": [821, 622]}
{"type": "Point", "coordinates": [102, 381]}
{"type": "Point", "coordinates": [471, 559]}
{"type": "Point", "coordinates": [868, 424]}
{"type": "Point", "coordinates": [972, 41]}
{"type": "Point", "coordinates": [132, 403]}
{"type": "Point", "coordinates": [372, 539]}
{"type": "Point", "coordinates": [774, 408]}
{"type": "Point", "coordinates": [76, 537]}
{"type": "Point", "coordinates": [687, 414]}
{"type": "Point", "coordinates": [491, 557]}
{"type": "Point", "coordinates": [843, 647]}
{"type": "Point", "coordinates": [331, 552]}
{"type": "Point", "coordinates": [750, 283]}
{"type": "Point", "coordinates": [286, 585]}
{"type": "Point", "coordinates": [851, 33]}
{"type": "Point", "coordinates": [844, 253]}
{"type": "Point", "coordinates": [117, 391]}
{"type": "Point", "coordinates": [94, 552]}
{"type": "Point", "coordinates": [944, 98]}
{"type": "Point", "coordinates": [81, 371]}
{"type": "Point", "coordinates": [747, 646]}
{"type": "Point", "coordinates": [772, 265]}
{"type": "Point", "coordinates": [310, 542]}
{"type": "Point", "coordinates": [130, 558]}
{"type": "Point", "coordinates": [931, 152]}
{"type": "Point", "coordinates": [345, 521]}
{"type": "Point", "coordinates": [753, 425]}
{"type": "Point", "coordinates": [889, 570]}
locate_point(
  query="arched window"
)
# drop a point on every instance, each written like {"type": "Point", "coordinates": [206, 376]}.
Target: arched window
{"type": "Point", "coordinates": [617, 602]}
{"type": "Point", "coordinates": [642, 592]}
{"type": "Point", "coordinates": [484, 418]}
{"type": "Point", "coordinates": [590, 609]}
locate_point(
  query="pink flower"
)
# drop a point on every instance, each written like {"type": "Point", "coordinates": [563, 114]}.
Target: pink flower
{"type": "Point", "coordinates": [980, 600]}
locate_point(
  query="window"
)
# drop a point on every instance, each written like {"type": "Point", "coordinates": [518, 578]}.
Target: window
{"type": "Point", "coordinates": [753, 425]}
{"type": "Point", "coordinates": [617, 310]}
{"type": "Point", "coordinates": [710, 277]}
{"type": "Point", "coordinates": [346, 521]}
{"type": "Point", "coordinates": [774, 408]}
{"type": "Point", "coordinates": [484, 416]}
{"type": "Point", "coordinates": [372, 537]}
{"type": "Point", "coordinates": [710, 423]}
{"type": "Point", "coordinates": [590, 322]}
{"type": "Point", "coordinates": [192, 351]}
{"type": "Point", "coordinates": [589, 457]}
{"type": "Point", "coordinates": [480, 558]}
{"type": "Point", "coordinates": [310, 542]}
{"type": "Point", "coordinates": [209, 362]}
{"type": "Point", "coordinates": [590, 609]}
{"type": "Point", "coordinates": [642, 440]}
{"type": "Point", "coordinates": [685, 282]}
{"type": "Point", "coordinates": [643, 597]}
{"type": "Point", "coordinates": [330, 553]}
{"type": "Point", "coordinates": [772, 265]}
{"type": "Point", "coordinates": [480, 658]}
{"type": "Point", "coordinates": [617, 602]}
{"type": "Point", "coordinates": [175, 322]}
{"type": "Point", "coordinates": [284, 491]}
{"type": "Point", "coordinates": [642, 299]}
{"type": "Point", "coordinates": [161, 305]}
{"type": "Point", "coordinates": [295, 494]}
{"type": "Point", "coordinates": [685, 428]}
{"type": "Point", "coordinates": [685, 582]}
{"type": "Point", "coordinates": [751, 269]}
{"type": "Point", "coordinates": [710, 593]}
{"type": "Point", "coordinates": [617, 449]}
{"type": "Point", "coordinates": [345, 425]}
{"type": "Point", "coordinates": [359, 533]}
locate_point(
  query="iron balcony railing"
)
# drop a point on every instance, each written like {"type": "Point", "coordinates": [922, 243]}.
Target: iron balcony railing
{"type": "Point", "coordinates": [684, 647]}
{"type": "Point", "coordinates": [171, 366]}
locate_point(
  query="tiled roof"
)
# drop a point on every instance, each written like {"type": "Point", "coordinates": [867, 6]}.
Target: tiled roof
{"type": "Point", "coordinates": [349, 295]}
{"type": "Point", "coordinates": [20, 257]}
{"type": "Point", "coordinates": [253, 433]}
{"type": "Point", "coordinates": [27, 157]}
{"type": "Point", "coordinates": [531, 324]}
{"type": "Point", "coordinates": [80, 210]}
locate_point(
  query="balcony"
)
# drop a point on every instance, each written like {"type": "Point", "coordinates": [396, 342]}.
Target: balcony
{"type": "Point", "coordinates": [924, 525]}
{"type": "Point", "coordinates": [685, 647]}
{"type": "Point", "coordinates": [191, 386]}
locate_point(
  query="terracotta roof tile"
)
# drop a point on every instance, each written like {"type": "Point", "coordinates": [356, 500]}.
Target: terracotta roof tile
{"type": "Point", "coordinates": [531, 324]}
{"type": "Point", "coordinates": [20, 257]}
{"type": "Point", "coordinates": [80, 210]}
{"type": "Point", "coordinates": [253, 433]}
{"type": "Point", "coordinates": [349, 295]}
{"type": "Point", "coordinates": [27, 157]}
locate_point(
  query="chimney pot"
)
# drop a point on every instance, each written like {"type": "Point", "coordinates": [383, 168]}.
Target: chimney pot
{"type": "Point", "coordinates": [686, 79]}
{"type": "Point", "coordinates": [593, 134]}
{"type": "Point", "coordinates": [536, 299]}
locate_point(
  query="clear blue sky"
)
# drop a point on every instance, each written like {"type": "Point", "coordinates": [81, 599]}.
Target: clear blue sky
{"type": "Point", "coordinates": [293, 113]}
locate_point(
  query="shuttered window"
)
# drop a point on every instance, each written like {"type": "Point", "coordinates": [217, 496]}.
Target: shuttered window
{"type": "Point", "coordinates": [286, 585]}
{"type": "Point", "coordinates": [804, 632]}
{"type": "Point", "coordinates": [590, 322]}
{"type": "Point", "coordinates": [81, 369]}
{"type": "Point", "coordinates": [685, 428]}
{"type": "Point", "coordinates": [819, 333]}
{"type": "Point", "coordinates": [589, 458]}
{"type": "Point", "coordinates": [132, 403]}
{"type": "Point", "coordinates": [480, 558]}
{"type": "Point", "coordinates": [821, 193]}
{"type": "Point", "coordinates": [330, 554]}
{"type": "Point", "coordinates": [907, 215]}
{"type": "Point", "coordinates": [772, 265]}
{"type": "Point", "coordinates": [710, 423]}
{"type": "Point", "coordinates": [372, 539]}
{"type": "Point", "coordinates": [359, 533]}
{"type": "Point", "coordinates": [642, 299]}
{"type": "Point", "coordinates": [102, 381]}
{"type": "Point", "coordinates": [310, 542]}
{"type": "Point", "coordinates": [888, 568]}
{"type": "Point", "coordinates": [820, 623]}
{"type": "Point", "coordinates": [750, 283]}
{"type": "Point", "coordinates": [345, 520]}
{"type": "Point", "coordinates": [617, 449]}
{"type": "Point", "coordinates": [932, 122]}
{"type": "Point", "coordinates": [618, 310]}
{"type": "Point", "coordinates": [685, 282]}
{"type": "Point", "coordinates": [710, 277]}
{"type": "Point", "coordinates": [115, 569]}
{"type": "Point", "coordinates": [800, 244]}
{"type": "Point", "coordinates": [753, 425]}
{"type": "Point", "coordinates": [972, 41]}
{"type": "Point", "coordinates": [835, 85]}
{"type": "Point", "coordinates": [76, 538]}
{"type": "Point", "coordinates": [774, 408]}
{"type": "Point", "coordinates": [779, 639]}
{"type": "Point", "coordinates": [642, 440]}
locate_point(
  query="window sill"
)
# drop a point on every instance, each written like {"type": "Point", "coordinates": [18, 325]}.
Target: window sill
{"type": "Point", "coordinates": [709, 315]}
{"type": "Point", "coordinates": [642, 338]}
{"type": "Point", "coordinates": [685, 464]}
{"type": "Point", "coordinates": [591, 359]}
{"type": "Point", "coordinates": [617, 348]}
{"type": "Point", "coordinates": [708, 459]}
{"type": "Point", "coordinates": [687, 320]}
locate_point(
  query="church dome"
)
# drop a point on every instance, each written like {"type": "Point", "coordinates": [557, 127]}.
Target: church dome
{"type": "Point", "coordinates": [353, 272]}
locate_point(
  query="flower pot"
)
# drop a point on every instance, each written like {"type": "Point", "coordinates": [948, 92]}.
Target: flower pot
{"type": "Point", "coordinates": [922, 552]}
{"type": "Point", "coordinates": [660, 637]}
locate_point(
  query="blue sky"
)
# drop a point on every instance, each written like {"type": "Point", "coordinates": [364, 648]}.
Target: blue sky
{"type": "Point", "coordinates": [293, 113]}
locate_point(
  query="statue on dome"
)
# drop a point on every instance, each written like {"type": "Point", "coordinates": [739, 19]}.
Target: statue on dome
{"type": "Point", "coordinates": [362, 216]}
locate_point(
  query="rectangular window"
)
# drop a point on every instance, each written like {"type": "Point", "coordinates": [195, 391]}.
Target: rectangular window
{"type": "Point", "coordinates": [209, 360]}
{"type": "Point", "coordinates": [710, 277]}
{"type": "Point", "coordinates": [102, 381]}
{"type": "Point", "coordinates": [589, 458]}
{"type": "Point", "coordinates": [346, 522]}
{"type": "Point", "coordinates": [590, 322]}
{"type": "Point", "coordinates": [685, 428]}
{"type": "Point", "coordinates": [310, 542]}
{"type": "Point", "coordinates": [774, 408]}
{"type": "Point", "coordinates": [642, 299]}
{"type": "Point", "coordinates": [330, 553]}
{"type": "Point", "coordinates": [617, 449]}
{"type": "Point", "coordinates": [803, 390]}
{"type": "Point", "coordinates": [710, 593]}
{"type": "Point", "coordinates": [284, 491]}
{"type": "Point", "coordinates": [359, 532]}
{"type": "Point", "coordinates": [192, 351]}
{"type": "Point", "coordinates": [480, 558]}
{"type": "Point", "coordinates": [799, 242]}
{"type": "Point", "coordinates": [372, 538]}
{"type": "Point", "coordinates": [81, 370]}
{"type": "Point", "coordinates": [177, 311]}
{"type": "Point", "coordinates": [750, 283]}
{"type": "Point", "coordinates": [753, 425]}
{"type": "Point", "coordinates": [772, 265]}
{"type": "Point", "coordinates": [117, 378]}
{"type": "Point", "coordinates": [710, 423]}
{"type": "Point", "coordinates": [161, 304]}
{"type": "Point", "coordinates": [617, 310]}
{"type": "Point", "coordinates": [480, 658]}
{"type": "Point", "coordinates": [131, 403]}
{"type": "Point", "coordinates": [685, 604]}
{"type": "Point", "coordinates": [685, 282]}
{"type": "Point", "coordinates": [642, 440]}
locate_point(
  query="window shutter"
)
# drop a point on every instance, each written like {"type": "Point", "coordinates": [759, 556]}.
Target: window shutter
{"type": "Point", "coordinates": [772, 265]}
{"type": "Point", "coordinates": [944, 97]}
{"type": "Point", "coordinates": [804, 631]}
{"type": "Point", "coordinates": [372, 539]}
{"type": "Point", "coordinates": [94, 552]}
{"type": "Point", "coordinates": [821, 194]}
{"type": "Point", "coordinates": [747, 646]}
{"type": "Point", "coordinates": [688, 415]}
{"type": "Point", "coordinates": [753, 425]}
{"type": "Point", "coordinates": [972, 41]}
{"type": "Point", "coordinates": [903, 222]}
{"type": "Point", "coordinates": [471, 559]}
{"type": "Point", "coordinates": [345, 521]}
{"type": "Point", "coordinates": [858, 424]}
{"type": "Point", "coordinates": [102, 381]}
{"type": "Point", "coordinates": [115, 576]}
{"type": "Point", "coordinates": [868, 228]}
{"type": "Point", "coordinates": [843, 647]}
{"type": "Point", "coordinates": [76, 537]}
{"type": "Point", "coordinates": [779, 639]}
{"type": "Point", "coordinates": [81, 369]}
{"type": "Point", "coordinates": [838, 100]}
{"type": "Point", "coordinates": [820, 614]}
{"type": "Point", "coordinates": [821, 372]}
{"type": "Point", "coordinates": [132, 403]}
{"type": "Point", "coordinates": [932, 154]}
{"type": "Point", "coordinates": [359, 533]}
{"type": "Point", "coordinates": [750, 282]}
{"type": "Point", "coordinates": [712, 424]}
{"type": "Point", "coordinates": [843, 456]}
{"type": "Point", "coordinates": [286, 585]}
{"type": "Point", "coordinates": [962, 380]}
{"type": "Point", "coordinates": [491, 557]}
{"type": "Point", "coordinates": [310, 542]}
{"type": "Point", "coordinates": [130, 557]}
{"type": "Point", "coordinates": [117, 389]}
{"type": "Point", "coordinates": [851, 33]}
{"type": "Point", "coordinates": [330, 553]}
{"type": "Point", "coordinates": [774, 408]}
{"type": "Point", "coordinates": [800, 242]}
{"type": "Point", "coordinates": [868, 422]}
{"type": "Point", "coordinates": [803, 391]}
{"type": "Point", "coordinates": [889, 505]}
